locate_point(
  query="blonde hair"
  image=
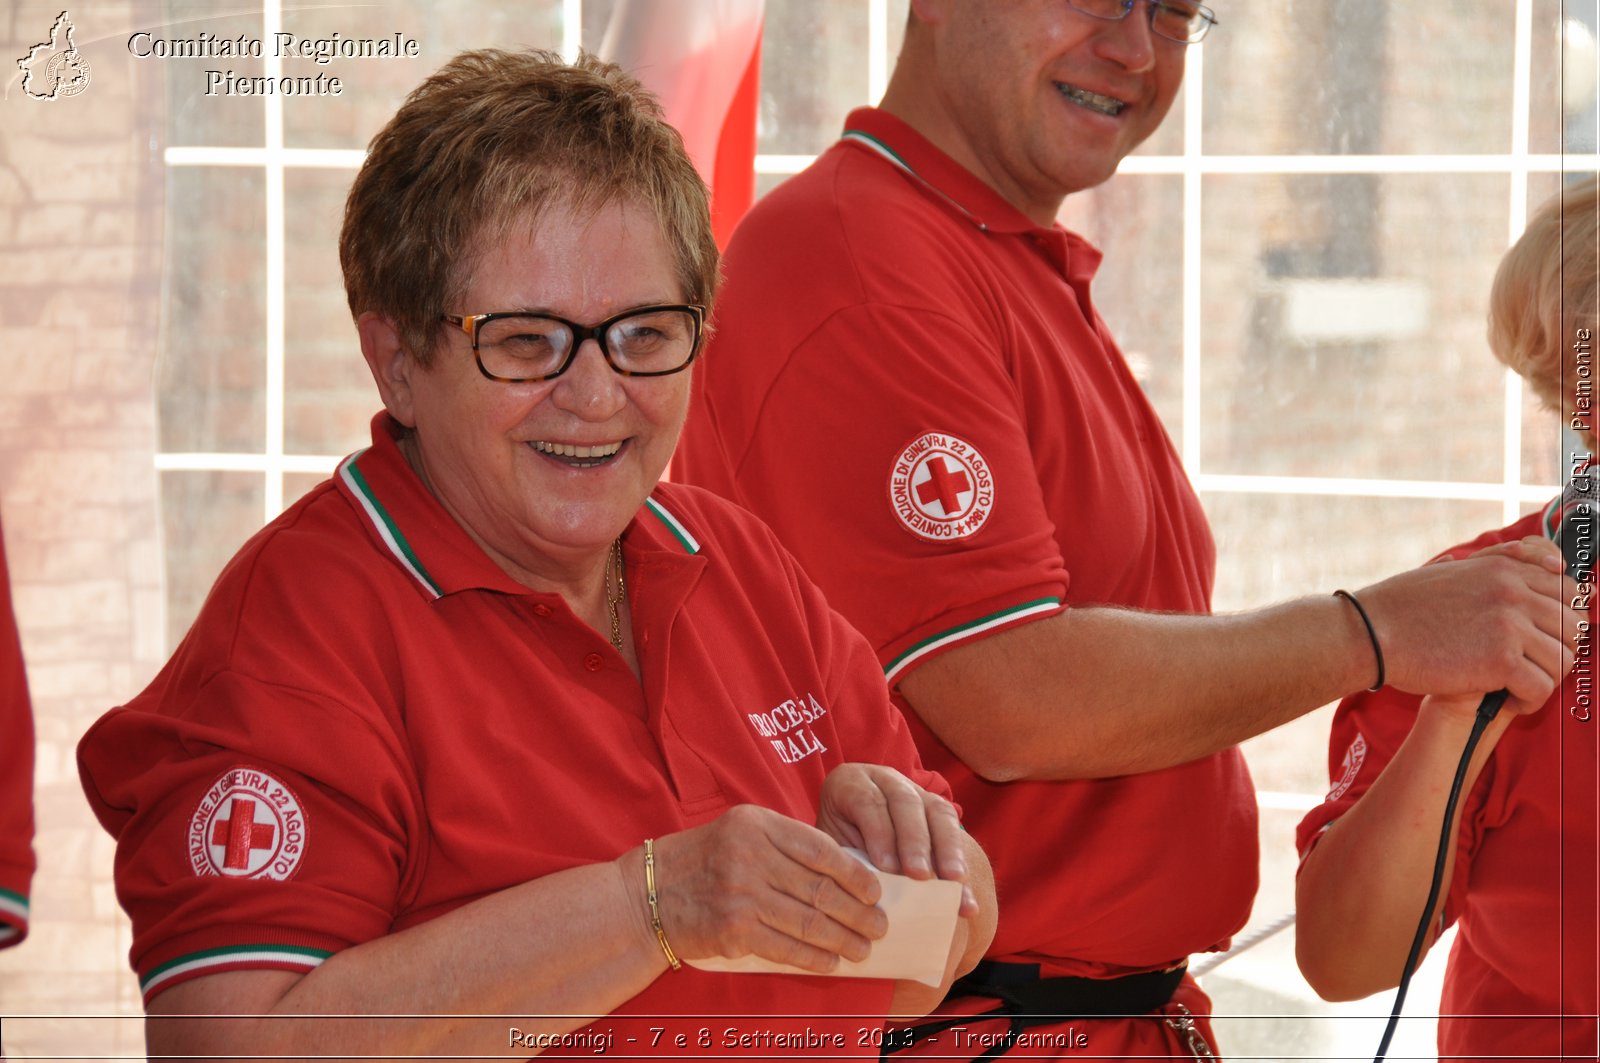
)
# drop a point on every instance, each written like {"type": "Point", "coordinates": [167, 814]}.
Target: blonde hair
{"type": "Point", "coordinates": [1545, 294]}
{"type": "Point", "coordinates": [480, 149]}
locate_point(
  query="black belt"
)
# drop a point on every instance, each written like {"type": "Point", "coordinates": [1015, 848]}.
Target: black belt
{"type": "Point", "coordinates": [1028, 1000]}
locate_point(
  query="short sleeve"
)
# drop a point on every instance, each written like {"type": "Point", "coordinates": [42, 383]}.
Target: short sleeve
{"type": "Point", "coordinates": [875, 441]}
{"type": "Point", "coordinates": [259, 792]}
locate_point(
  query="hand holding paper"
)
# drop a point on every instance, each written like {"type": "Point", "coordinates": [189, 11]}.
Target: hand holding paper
{"type": "Point", "coordinates": [922, 922]}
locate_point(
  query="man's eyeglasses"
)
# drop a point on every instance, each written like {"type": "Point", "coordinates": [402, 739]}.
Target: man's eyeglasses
{"type": "Point", "coordinates": [520, 348]}
{"type": "Point", "coordinates": [1176, 20]}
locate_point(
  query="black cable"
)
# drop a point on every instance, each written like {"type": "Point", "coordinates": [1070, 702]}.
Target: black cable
{"type": "Point", "coordinates": [1487, 708]}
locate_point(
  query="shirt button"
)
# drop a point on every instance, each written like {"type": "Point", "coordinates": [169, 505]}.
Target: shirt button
{"type": "Point", "coordinates": [593, 662]}
{"type": "Point", "coordinates": [541, 610]}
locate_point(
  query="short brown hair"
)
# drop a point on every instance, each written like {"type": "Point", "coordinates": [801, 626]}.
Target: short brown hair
{"type": "Point", "coordinates": [1546, 289]}
{"type": "Point", "coordinates": [482, 147]}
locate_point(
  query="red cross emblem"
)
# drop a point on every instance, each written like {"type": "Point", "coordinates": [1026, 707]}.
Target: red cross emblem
{"type": "Point", "coordinates": [241, 833]}
{"type": "Point", "coordinates": [249, 824]}
{"type": "Point", "coordinates": [940, 487]}
{"type": "Point", "coordinates": [942, 484]}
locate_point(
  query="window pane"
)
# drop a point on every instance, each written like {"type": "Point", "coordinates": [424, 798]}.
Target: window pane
{"type": "Point", "coordinates": [1325, 296]}
{"type": "Point", "coordinates": [1565, 65]}
{"type": "Point", "coordinates": [1359, 77]}
{"type": "Point", "coordinates": [213, 344]}
{"type": "Point", "coordinates": [193, 116]}
{"type": "Point", "coordinates": [206, 517]}
{"type": "Point", "coordinates": [329, 396]}
{"type": "Point", "coordinates": [297, 484]}
{"type": "Point", "coordinates": [813, 73]}
{"type": "Point", "coordinates": [1137, 222]}
{"type": "Point", "coordinates": [373, 88]}
{"type": "Point", "coordinates": [1168, 137]}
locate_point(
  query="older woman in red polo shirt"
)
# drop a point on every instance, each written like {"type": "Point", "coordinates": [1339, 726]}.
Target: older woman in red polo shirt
{"type": "Point", "coordinates": [492, 722]}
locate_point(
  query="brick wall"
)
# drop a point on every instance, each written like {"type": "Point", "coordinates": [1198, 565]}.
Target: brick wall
{"type": "Point", "coordinates": [81, 218]}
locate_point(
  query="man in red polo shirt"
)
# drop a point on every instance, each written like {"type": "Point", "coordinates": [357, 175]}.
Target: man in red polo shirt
{"type": "Point", "coordinates": [16, 775]}
{"type": "Point", "coordinates": [910, 383]}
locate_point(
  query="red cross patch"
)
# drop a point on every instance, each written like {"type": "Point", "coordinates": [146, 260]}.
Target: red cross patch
{"type": "Point", "coordinates": [248, 825]}
{"type": "Point", "coordinates": [940, 487]}
{"type": "Point", "coordinates": [1354, 757]}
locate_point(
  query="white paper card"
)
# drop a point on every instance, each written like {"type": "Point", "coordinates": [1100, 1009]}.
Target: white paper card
{"type": "Point", "coordinates": [922, 923]}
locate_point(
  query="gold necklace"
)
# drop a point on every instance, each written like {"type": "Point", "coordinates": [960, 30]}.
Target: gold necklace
{"type": "Point", "coordinates": [612, 601]}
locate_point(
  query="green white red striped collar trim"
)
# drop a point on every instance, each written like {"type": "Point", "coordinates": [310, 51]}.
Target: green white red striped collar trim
{"type": "Point", "coordinates": [395, 539]}
{"type": "Point", "coordinates": [1552, 517]}
{"type": "Point", "coordinates": [872, 143]}
{"type": "Point", "coordinates": [674, 525]}
{"type": "Point", "coordinates": [14, 907]}
{"type": "Point", "coordinates": [296, 956]}
{"type": "Point", "coordinates": [878, 146]}
{"type": "Point", "coordinates": [385, 526]}
{"type": "Point", "coordinates": [962, 632]}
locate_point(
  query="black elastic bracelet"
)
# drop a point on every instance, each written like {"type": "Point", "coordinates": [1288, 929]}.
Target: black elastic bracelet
{"type": "Point", "coordinates": [1377, 650]}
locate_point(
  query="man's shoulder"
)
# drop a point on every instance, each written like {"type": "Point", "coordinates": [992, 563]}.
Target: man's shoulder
{"type": "Point", "coordinates": [850, 204]}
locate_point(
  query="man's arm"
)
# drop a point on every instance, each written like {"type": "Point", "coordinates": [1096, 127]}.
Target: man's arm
{"type": "Point", "coordinates": [1098, 692]}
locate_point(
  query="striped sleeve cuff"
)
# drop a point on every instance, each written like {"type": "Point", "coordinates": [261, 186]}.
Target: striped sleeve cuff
{"type": "Point", "coordinates": [229, 958]}
{"type": "Point", "coordinates": [13, 917]}
{"type": "Point", "coordinates": [928, 644]}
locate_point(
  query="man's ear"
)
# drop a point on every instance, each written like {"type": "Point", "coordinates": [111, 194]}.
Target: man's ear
{"type": "Point", "coordinates": [930, 11]}
{"type": "Point", "coordinates": [391, 362]}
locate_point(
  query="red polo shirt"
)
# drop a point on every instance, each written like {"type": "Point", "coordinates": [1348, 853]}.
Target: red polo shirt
{"type": "Point", "coordinates": [910, 384]}
{"type": "Point", "coordinates": [371, 724]}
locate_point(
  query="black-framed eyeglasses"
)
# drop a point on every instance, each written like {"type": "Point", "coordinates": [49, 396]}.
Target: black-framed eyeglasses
{"type": "Point", "coordinates": [1176, 20]}
{"type": "Point", "coordinates": [521, 348]}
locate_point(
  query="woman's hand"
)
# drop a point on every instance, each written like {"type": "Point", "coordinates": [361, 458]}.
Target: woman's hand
{"type": "Point", "coordinates": [755, 882]}
{"type": "Point", "coordinates": [901, 827]}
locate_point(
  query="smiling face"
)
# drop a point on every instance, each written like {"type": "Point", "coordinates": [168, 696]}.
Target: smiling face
{"type": "Point", "coordinates": [544, 476]}
{"type": "Point", "coordinates": [1037, 99]}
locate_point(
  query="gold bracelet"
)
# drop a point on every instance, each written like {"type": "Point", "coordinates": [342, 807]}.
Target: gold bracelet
{"type": "Point", "coordinates": [650, 895]}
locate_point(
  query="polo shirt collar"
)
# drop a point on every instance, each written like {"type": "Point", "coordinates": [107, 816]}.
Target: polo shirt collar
{"type": "Point", "coordinates": [963, 191]}
{"type": "Point", "coordinates": [436, 551]}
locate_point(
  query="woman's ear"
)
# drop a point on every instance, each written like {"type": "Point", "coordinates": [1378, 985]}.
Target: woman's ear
{"type": "Point", "coordinates": [391, 362]}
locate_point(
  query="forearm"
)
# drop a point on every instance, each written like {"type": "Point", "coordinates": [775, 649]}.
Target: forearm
{"type": "Point", "coordinates": [1361, 890]}
{"type": "Point", "coordinates": [1096, 692]}
{"type": "Point", "coordinates": [571, 944]}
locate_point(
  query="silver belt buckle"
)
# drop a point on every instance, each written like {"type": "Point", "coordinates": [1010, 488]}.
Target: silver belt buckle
{"type": "Point", "coordinates": [1183, 1023]}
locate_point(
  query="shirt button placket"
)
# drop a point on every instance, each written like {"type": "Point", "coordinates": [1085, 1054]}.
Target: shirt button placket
{"type": "Point", "coordinates": [593, 661]}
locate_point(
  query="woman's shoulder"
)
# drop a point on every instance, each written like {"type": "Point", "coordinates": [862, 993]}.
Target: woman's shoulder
{"type": "Point", "coordinates": [311, 574]}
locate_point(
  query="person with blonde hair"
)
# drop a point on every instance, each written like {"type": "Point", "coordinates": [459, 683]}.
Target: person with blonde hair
{"type": "Point", "coordinates": [493, 723]}
{"type": "Point", "coordinates": [1519, 878]}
